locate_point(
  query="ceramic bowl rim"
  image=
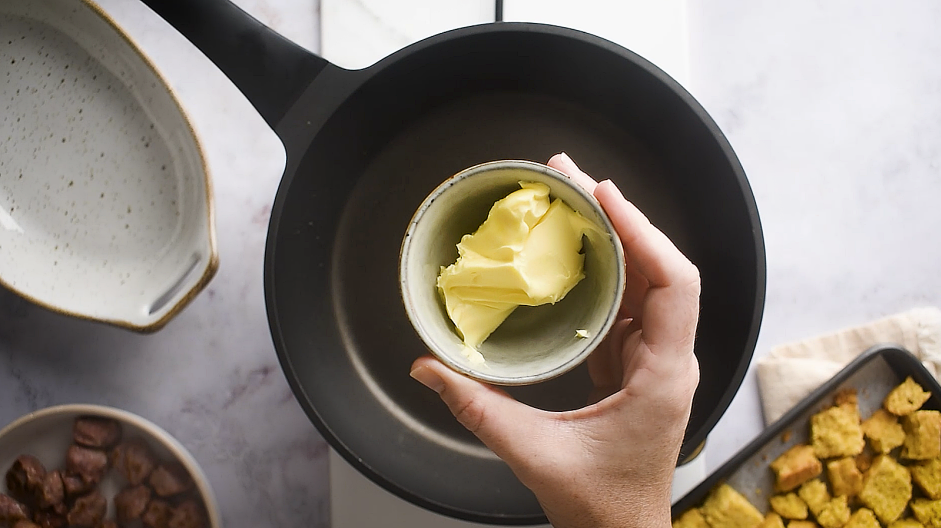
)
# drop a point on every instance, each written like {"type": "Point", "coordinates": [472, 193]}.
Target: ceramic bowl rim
{"type": "Point", "coordinates": [212, 262]}
{"type": "Point", "coordinates": [155, 432]}
{"type": "Point", "coordinates": [590, 344]}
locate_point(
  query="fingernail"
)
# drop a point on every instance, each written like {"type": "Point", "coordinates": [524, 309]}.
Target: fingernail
{"type": "Point", "coordinates": [566, 158]}
{"type": "Point", "coordinates": [428, 378]}
{"type": "Point", "coordinates": [609, 183]}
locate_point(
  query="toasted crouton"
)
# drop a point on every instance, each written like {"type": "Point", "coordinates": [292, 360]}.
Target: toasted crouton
{"type": "Point", "coordinates": [727, 508]}
{"type": "Point", "coordinates": [863, 518]}
{"type": "Point", "coordinates": [906, 398]}
{"type": "Point", "coordinates": [884, 431]}
{"type": "Point", "coordinates": [815, 494]}
{"type": "Point", "coordinates": [835, 513]}
{"type": "Point", "coordinates": [690, 519]}
{"type": "Point", "coordinates": [922, 435]}
{"type": "Point", "coordinates": [836, 432]}
{"type": "Point", "coordinates": [845, 477]}
{"type": "Point", "coordinates": [928, 477]}
{"type": "Point", "coordinates": [789, 506]}
{"type": "Point", "coordinates": [794, 467]}
{"type": "Point", "coordinates": [772, 520]}
{"type": "Point", "coordinates": [928, 512]}
{"type": "Point", "coordinates": [887, 488]}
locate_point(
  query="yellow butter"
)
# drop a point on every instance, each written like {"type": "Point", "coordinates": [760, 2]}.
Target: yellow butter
{"type": "Point", "coordinates": [527, 253]}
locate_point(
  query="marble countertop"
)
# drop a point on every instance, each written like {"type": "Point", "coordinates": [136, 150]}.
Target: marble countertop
{"type": "Point", "coordinates": [834, 109]}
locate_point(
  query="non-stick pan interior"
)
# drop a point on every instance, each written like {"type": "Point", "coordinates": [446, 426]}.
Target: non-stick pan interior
{"type": "Point", "coordinates": [425, 114]}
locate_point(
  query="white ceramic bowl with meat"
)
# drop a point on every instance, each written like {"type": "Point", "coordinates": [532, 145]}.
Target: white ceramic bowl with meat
{"type": "Point", "coordinates": [99, 467]}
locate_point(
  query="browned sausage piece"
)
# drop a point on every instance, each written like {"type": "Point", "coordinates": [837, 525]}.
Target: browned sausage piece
{"type": "Point", "coordinates": [47, 519]}
{"type": "Point", "coordinates": [134, 459]}
{"type": "Point", "coordinates": [130, 503]}
{"type": "Point", "coordinates": [75, 486]}
{"type": "Point", "coordinates": [90, 464]}
{"type": "Point", "coordinates": [170, 479]}
{"type": "Point", "coordinates": [23, 523]}
{"type": "Point", "coordinates": [24, 478]}
{"type": "Point", "coordinates": [157, 514]}
{"type": "Point", "coordinates": [189, 514]}
{"type": "Point", "coordinates": [12, 510]}
{"type": "Point", "coordinates": [51, 492]}
{"type": "Point", "coordinates": [97, 432]}
{"type": "Point", "coordinates": [88, 511]}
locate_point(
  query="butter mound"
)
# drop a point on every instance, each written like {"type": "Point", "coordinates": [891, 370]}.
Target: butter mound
{"type": "Point", "coordinates": [527, 253]}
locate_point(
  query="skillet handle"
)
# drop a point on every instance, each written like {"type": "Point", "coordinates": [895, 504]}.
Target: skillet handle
{"type": "Point", "coordinates": [269, 69]}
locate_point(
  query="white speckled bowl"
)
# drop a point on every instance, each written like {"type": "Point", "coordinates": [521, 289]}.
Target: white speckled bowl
{"type": "Point", "coordinates": [105, 199]}
{"type": "Point", "coordinates": [47, 434]}
{"type": "Point", "coordinates": [534, 344]}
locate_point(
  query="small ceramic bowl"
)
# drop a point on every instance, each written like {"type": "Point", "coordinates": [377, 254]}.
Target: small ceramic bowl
{"type": "Point", "coordinates": [47, 433]}
{"type": "Point", "coordinates": [105, 201]}
{"type": "Point", "coordinates": [534, 344]}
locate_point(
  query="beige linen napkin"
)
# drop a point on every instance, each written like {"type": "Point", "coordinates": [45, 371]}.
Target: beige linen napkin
{"type": "Point", "coordinates": [792, 371]}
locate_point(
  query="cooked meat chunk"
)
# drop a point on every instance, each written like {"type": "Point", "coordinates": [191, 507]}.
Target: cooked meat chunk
{"type": "Point", "coordinates": [134, 459]}
{"type": "Point", "coordinates": [75, 486]}
{"type": "Point", "coordinates": [51, 492]}
{"type": "Point", "coordinates": [189, 514]}
{"type": "Point", "coordinates": [88, 511]}
{"type": "Point", "coordinates": [90, 464]}
{"type": "Point", "coordinates": [24, 478]}
{"type": "Point", "coordinates": [12, 510]}
{"type": "Point", "coordinates": [97, 432]}
{"type": "Point", "coordinates": [130, 503]}
{"type": "Point", "coordinates": [157, 514]}
{"type": "Point", "coordinates": [170, 479]}
{"type": "Point", "coordinates": [47, 519]}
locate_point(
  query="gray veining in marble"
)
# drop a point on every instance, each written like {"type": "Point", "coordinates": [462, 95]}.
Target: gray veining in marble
{"type": "Point", "coordinates": [833, 107]}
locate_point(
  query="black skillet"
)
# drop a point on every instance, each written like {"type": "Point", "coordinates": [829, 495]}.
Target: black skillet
{"type": "Point", "coordinates": [365, 147]}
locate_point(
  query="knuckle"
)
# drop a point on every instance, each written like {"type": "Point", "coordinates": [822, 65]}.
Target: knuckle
{"type": "Point", "coordinates": [693, 277]}
{"type": "Point", "coordinates": [470, 413]}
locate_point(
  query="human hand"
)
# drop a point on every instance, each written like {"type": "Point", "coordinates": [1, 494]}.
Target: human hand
{"type": "Point", "coordinates": [609, 464]}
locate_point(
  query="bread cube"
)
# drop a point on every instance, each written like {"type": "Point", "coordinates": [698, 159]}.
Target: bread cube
{"type": "Point", "coordinates": [848, 400]}
{"type": "Point", "coordinates": [690, 519]}
{"type": "Point", "coordinates": [802, 524]}
{"type": "Point", "coordinates": [928, 477]}
{"type": "Point", "coordinates": [772, 520]}
{"type": "Point", "coordinates": [727, 508]}
{"type": "Point", "coordinates": [906, 523]}
{"type": "Point", "coordinates": [794, 467]}
{"type": "Point", "coordinates": [814, 493]}
{"type": "Point", "coordinates": [845, 477]}
{"type": "Point", "coordinates": [835, 513]}
{"type": "Point", "coordinates": [906, 398]}
{"type": "Point", "coordinates": [836, 432]}
{"type": "Point", "coordinates": [789, 506]}
{"type": "Point", "coordinates": [922, 435]}
{"type": "Point", "coordinates": [887, 488]}
{"type": "Point", "coordinates": [884, 431]}
{"type": "Point", "coordinates": [928, 512]}
{"type": "Point", "coordinates": [863, 518]}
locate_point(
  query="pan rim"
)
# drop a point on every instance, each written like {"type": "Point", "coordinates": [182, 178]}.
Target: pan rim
{"type": "Point", "coordinates": [666, 82]}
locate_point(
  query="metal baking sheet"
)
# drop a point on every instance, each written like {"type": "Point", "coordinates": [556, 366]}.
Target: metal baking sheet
{"type": "Point", "coordinates": [873, 374]}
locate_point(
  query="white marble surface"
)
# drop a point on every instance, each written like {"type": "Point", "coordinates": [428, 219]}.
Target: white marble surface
{"type": "Point", "coordinates": [833, 107]}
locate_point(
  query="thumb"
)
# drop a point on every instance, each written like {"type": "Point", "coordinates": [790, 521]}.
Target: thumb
{"type": "Point", "coordinates": [503, 424]}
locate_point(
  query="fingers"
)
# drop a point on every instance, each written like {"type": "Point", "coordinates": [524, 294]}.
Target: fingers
{"type": "Point", "coordinates": [503, 424]}
{"type": "Point", "coordinates": [671, 308]}
{"type": "Point", "coordinates": [563, 163]}
{"type": "Point", "coordinates": [604, 364]}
